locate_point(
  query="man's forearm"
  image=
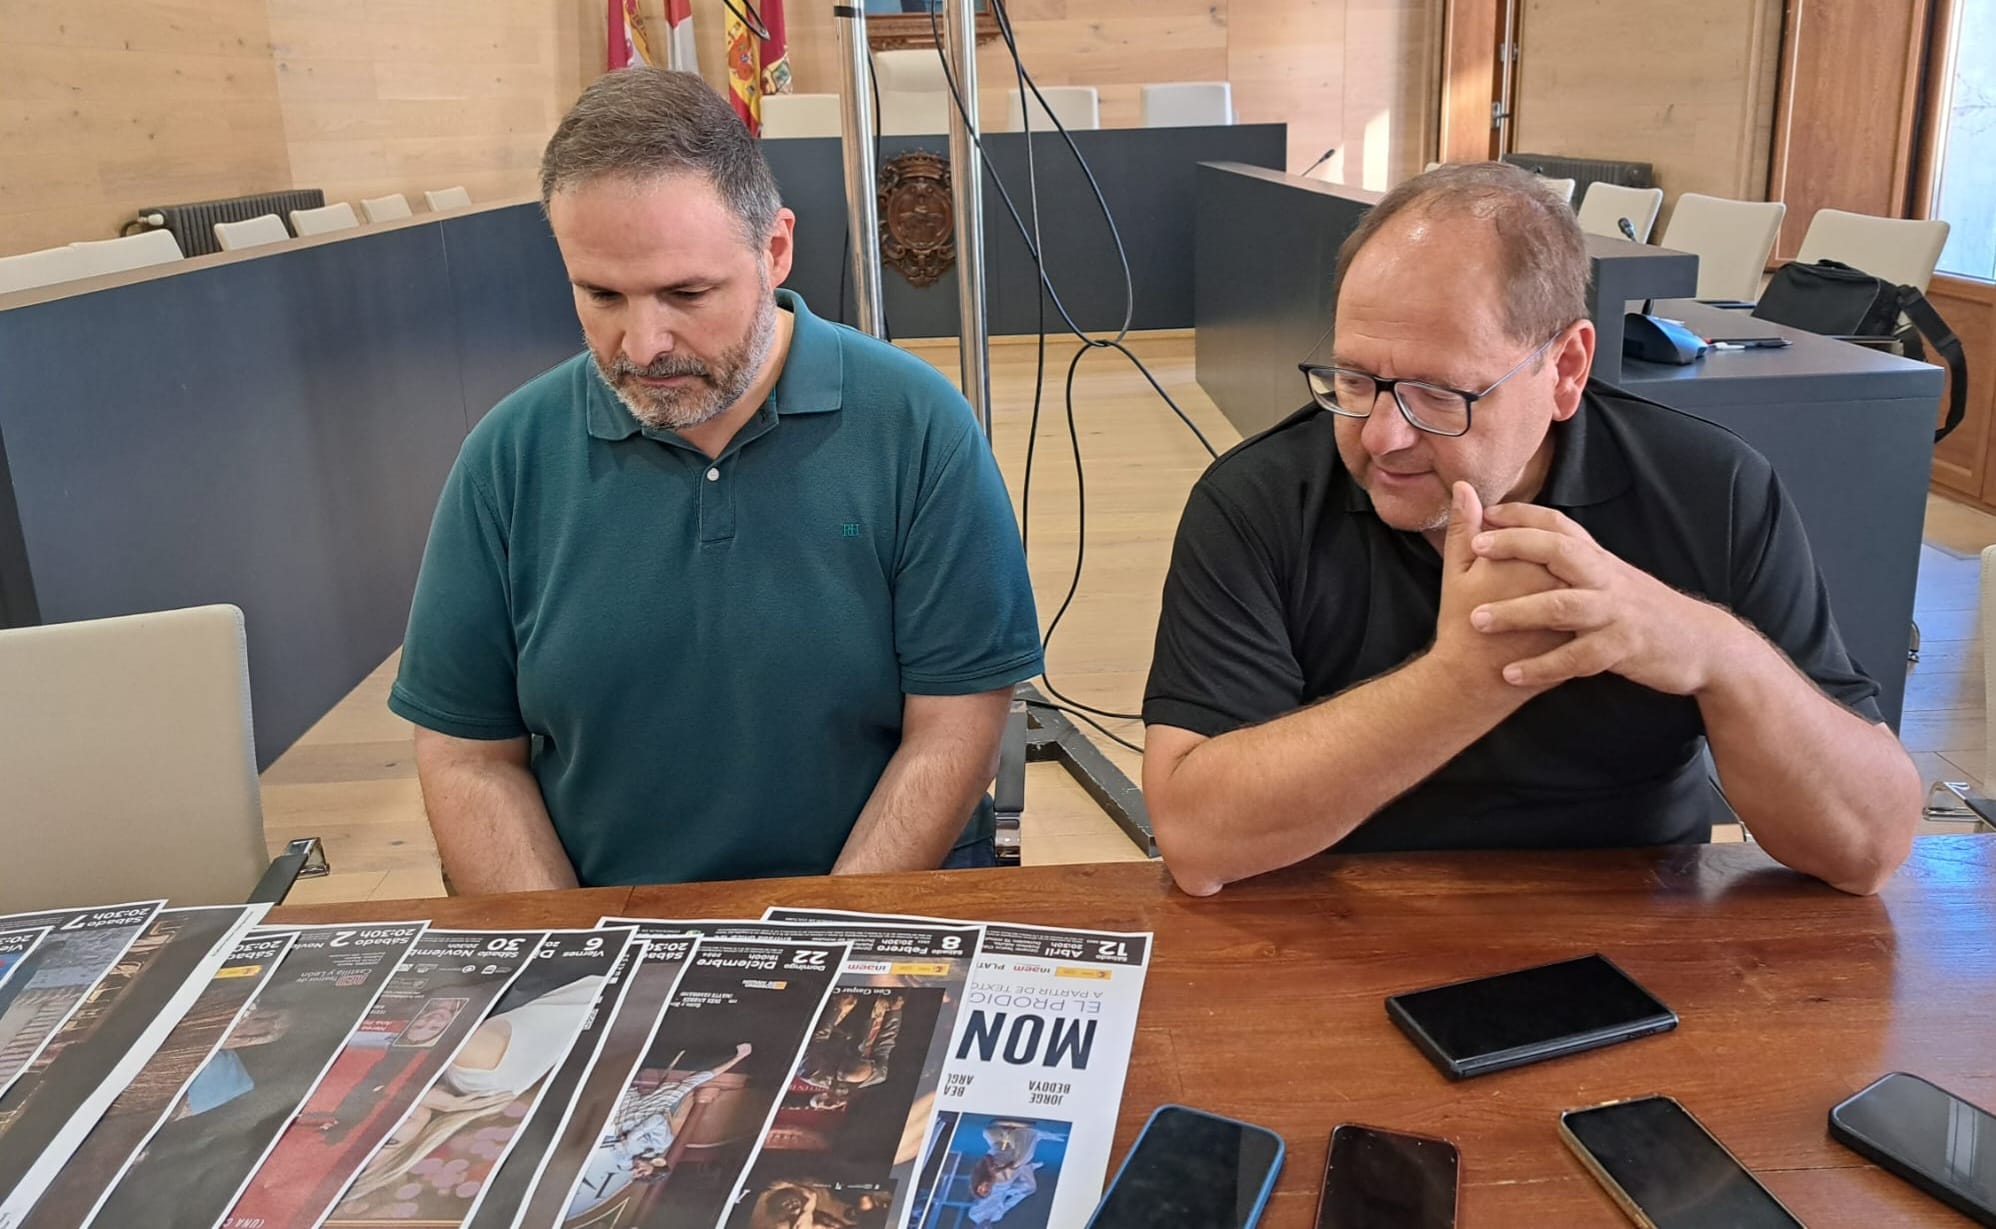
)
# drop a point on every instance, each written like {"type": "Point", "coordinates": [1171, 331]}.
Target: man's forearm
{"type": "Point", "coordinates": [919, 807]}
{"type": "Point", "coordinates": [492, 828]}
{"type": "Point", "coordinates": [1273, 794]}
{"type": "Point", "coordinates": [1833, 795]}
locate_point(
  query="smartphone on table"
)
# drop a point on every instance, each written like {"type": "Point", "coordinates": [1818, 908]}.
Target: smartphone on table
{"type": "Point", "coordinates": [1377, 1179]}
{"type": "Point", "coordinates": [1925, 1134]}
{"type": "Point", "coordinates": [1491, 1023]}
{"type": "Point", "coordinates": [1666, 1171]}
{"type": "Point", "coordinates": [1192, 1170]}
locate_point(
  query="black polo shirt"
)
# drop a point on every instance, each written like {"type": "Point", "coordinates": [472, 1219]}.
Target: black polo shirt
{"type": "Point", "coordinates": [1285, 588]}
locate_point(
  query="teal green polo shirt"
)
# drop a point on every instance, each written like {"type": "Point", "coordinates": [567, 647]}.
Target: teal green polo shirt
{"type": "Point", "coordinates": [711, 656]}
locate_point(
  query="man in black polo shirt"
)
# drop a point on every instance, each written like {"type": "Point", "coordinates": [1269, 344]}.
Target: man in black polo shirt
{"type": "Point", "coordinates": [1469, 600]}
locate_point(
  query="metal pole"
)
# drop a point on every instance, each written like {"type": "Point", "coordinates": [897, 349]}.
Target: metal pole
{"type": "Point", "coordinates": [856, 140]}
{"type": "Point", "coordinates": [967, 182]}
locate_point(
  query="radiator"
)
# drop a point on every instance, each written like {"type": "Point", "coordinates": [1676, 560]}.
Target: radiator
{"type": "Point", "coordinates": [1584, 171]}
{"type": "Point", "coordinates": [194, 224]}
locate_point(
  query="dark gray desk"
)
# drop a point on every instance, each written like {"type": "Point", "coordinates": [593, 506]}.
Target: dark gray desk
{"type": "Point", "coordinates": [1849, 430]}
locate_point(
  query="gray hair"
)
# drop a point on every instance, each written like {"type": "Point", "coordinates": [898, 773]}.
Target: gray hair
{"type": "Point", "coordinates": [643, 123]}
{"type": "Point", "coordinates": [1543, 251]}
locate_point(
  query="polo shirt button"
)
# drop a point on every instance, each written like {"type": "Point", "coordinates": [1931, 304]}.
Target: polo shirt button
{"type": "Point", "coordinates": [714, 475]}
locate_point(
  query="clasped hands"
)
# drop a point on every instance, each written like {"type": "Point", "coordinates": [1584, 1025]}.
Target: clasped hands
{"type": "Point", "coordinates": [1529, 597]}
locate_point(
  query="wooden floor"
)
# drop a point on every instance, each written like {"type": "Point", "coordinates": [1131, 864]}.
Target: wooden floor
{"type": "Point", "coordinates": [351, 779]}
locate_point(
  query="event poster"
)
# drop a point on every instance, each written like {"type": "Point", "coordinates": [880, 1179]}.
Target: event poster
{"type": "Point", "coordinates": [433, 1167]}
{"type": "Point", "coordinates": [68, 1201]}
{"type": "Point", "coordinates": [505, 1193]}
{"type": "Point", "coordinates": [598, 1087]}
{"type": "Point", "coordinates": [703, 1092]}
{"type": "Point", "coordinates": [82, 944]}
{"type": "Point", "coordinates": [1035, 1074]}
{"type": "Point", "coordinates": [428, 1010]}
{"type": "Point", "coordinates": [849, 1129]}
{"type": "Point", "coordinates": [114, 1030]}
{"type": "Point", "coordinates": [188, 1173]}
{"type": "Point", "coordinates": [15, 945]}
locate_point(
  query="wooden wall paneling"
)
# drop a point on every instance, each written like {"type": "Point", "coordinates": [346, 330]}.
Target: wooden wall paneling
{"type": "Point", "coordinates": [1844, 125]}
{"type": "Point", "coordinates": [128, 103]}
{"type": "Point", "coordinates": [1288, 63]}
{"type": "Point", "coordinates": [1471, 30]}
{"type": "Point", "coordinates": [408, 95]}
{"type": "Point", "coordinates": [1688, 94]}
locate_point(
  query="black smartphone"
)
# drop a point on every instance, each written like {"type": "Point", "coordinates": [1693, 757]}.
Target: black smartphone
{"type": "Point", "coordinates": [1928, 1136]}
{"type": "Point", "coordinates": [1666, 1171]}
{"type": "Point", "coordinates": [1491, 1023]}
{"type": "Point", "coordinates": [1192, 1170]}
{"type": "Point", "coordinates": [1378, 1179]}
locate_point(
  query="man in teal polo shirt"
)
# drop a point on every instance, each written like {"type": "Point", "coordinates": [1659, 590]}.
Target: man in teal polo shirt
{"type": "Point", "coordinates": [736, 593]}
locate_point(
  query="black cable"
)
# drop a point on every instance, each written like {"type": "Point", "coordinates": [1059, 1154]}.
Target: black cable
{"type": "Point", "coordinates": [1048, 291]}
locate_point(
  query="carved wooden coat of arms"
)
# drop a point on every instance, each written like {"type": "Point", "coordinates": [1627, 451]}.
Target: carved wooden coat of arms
{"type": "Point", "coordinates": [917, 219]}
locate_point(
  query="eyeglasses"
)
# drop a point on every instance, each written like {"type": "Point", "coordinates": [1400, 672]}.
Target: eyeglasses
{"type": "Point", "coordinates": [1434, 408]}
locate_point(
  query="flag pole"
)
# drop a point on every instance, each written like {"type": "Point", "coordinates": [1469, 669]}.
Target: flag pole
{"type": "Point", "coordinates": [856, 137]}
{"type": "Point", "coordinates": [967, 188]}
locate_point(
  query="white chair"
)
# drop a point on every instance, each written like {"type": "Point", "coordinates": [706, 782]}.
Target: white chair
{"type": "Point", "coordinates": [324, 220]}
{"type": "Point", "coordinates": [148, 247]}
{"type": "Point", "coordinates": [908, 114]}
{"type": "Point", "coordinates": [1077, 107]}
{"type": "Point", "coordinates": [44, 268]}
{"type": "Point", "coordinates": [801, 115]}
{"type": "Point", "coordinates": [129, 760]}
{"type": "Point", "coordinates": [447, 198]}
{"type": "Point", "coordinates": [1606, 204]}
{"type": "Point", "coordinates": [1562, 188]}
{"type": "Point", "coordinates": [391, 208]}
{"type": "Point", "coordinates": [1732, 240]}
{"type": "Point", "coordinates": [1900, 250]}
{"type": "Point", "coordinates": [1188, 104]}
{"type": "Point", "coordinates": [251, 232]}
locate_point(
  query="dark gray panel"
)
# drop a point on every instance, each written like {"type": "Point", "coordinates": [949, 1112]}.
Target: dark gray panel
{"type": "Point", "coordinates": [1146, 176]}
{"type": "Point", "coordinates": [511, 293]}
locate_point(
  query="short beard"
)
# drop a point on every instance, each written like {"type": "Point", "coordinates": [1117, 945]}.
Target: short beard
{"type": "Point", "coordinates": [717, 388]}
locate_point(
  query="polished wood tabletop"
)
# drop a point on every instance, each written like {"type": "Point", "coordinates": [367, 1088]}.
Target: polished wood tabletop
{"type": "Point", "coordinates": [1265, 1001]}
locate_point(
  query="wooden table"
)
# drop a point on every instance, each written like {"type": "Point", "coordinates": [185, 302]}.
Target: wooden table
{"type": "Point", "coordinates": [1265, 1002]}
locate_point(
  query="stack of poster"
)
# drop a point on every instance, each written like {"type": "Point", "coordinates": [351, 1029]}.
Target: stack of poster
{"type": "Point", "coordinates": [182, 1068]}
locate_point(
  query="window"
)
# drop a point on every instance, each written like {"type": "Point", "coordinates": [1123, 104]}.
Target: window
{"type": "Point", "coordinates": [1965, 185]}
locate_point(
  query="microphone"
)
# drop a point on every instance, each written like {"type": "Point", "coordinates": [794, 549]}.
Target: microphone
{"type": "Point", "coordinates": [1321, 160]}
{"type": "Point", "coordinates": [1628, 229]}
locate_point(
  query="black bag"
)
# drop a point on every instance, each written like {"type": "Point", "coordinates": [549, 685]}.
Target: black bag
{"type": "Point", "coordinates": [1836, 300]}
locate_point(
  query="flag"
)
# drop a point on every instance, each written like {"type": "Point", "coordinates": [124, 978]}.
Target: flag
{"type": "Point", "coordinates": [775, 50]}
{"type": "Point", "coordinates": [744, 68]}
{"type": "Point", "coordinates": [679, 52]}
{"type": "Point", "coordinates": [626, 35]}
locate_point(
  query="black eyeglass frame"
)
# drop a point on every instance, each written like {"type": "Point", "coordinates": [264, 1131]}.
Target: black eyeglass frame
{"type": "Point", "coordinates": [1381, 384]}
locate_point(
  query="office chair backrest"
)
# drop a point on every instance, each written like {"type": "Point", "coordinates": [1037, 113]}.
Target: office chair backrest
{"type": "Point", "coordinates": [44, 268]}
{"type": "Point", "coordinates": [129, 764]}
{"type": "Point", "coordinates": [913, 114]}
{"type": "Point", "coordinates": [324, 220]}
{"type": "Point", "coordinates": [391, 208]}
{"type": "Point", "coordinates": [448, 198]}
{"type": "Point", "coordinates": [1732, 240]}
{"type": "Point", "coordinates": [1562, 188]}
{"type": "Point", "coordinates": [148, 247]}
{"type": "Point", "coordinates": [1079, 108]}
{"type": "Point", "coordinates": [1188, 104]}
{"type": "Point", "coordinates": [1900, 250]}
{"type": "Point", "coordinates": [802, 115]}
{"type": "Point", "coordinates": [1606, 204]}
{"type": "Point", "coordinates": [251, 232]}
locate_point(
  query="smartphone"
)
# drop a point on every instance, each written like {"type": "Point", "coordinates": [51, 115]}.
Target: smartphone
{"type": "Point", "coordinates": [1492, 1023]}
{"type": "Point", "coordinates": [1928, 1136]}
{"type": "Point", "coordinates": [1192, 1170]}
{"type": "Point", "coordinates": [1378, 1179]}
{"type": "Point", "coordinates": [1666, 1170]}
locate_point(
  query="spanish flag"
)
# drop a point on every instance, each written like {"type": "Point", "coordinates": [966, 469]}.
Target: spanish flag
{"type": "Point", "coordinates": [758, 56]}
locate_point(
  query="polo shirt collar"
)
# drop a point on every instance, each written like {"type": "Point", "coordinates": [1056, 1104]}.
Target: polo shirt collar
{"type": "Point", "coordinates": [812, 380]}
{"type": "Point", "coordinates": [1588, 465]}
